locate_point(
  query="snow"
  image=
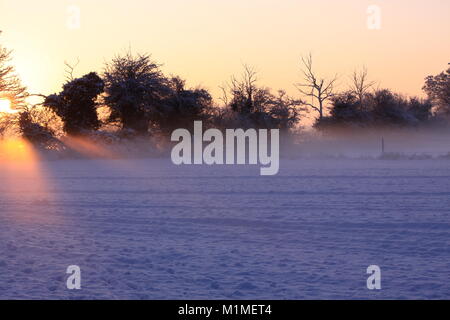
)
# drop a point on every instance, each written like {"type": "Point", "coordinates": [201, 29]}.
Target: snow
{"type": "Point", "coordinates": [146, 229]}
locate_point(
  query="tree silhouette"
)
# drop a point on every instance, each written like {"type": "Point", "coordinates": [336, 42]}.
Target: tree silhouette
{"type": "Point", "coordinates": [360, 85]}
{"type": "Point", "coordinates": [77, 104]}
{"type": "Point", "coordinates": [10, 85]}
{"type": "Point", "coordinates": [32, 130]}
{"type": "Point", "coordinates": [245, 93]}
{"type": "Point", "coordinates": [252, 106]}
{"type": "Point", "coordinates": [438, 90]}
{"type": "Point", "coordinates": [181, 108]}
{"type": "Point", "coordinates": [383, 108]}
{"type": "Point", "coordinates": [318, 90]}
{"type": "Point", "coordinates": [135, 86]}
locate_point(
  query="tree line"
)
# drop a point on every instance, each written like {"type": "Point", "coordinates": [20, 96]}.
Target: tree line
{"type": "Point", "coordinates": [133, 97]}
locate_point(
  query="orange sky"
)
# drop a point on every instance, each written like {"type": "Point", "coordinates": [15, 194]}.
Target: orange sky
{"type": "Point", "coordinates": [206, 41]}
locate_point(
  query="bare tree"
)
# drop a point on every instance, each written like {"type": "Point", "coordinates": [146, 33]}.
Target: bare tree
{"type": "Point", "coordinates": [70, 69]}
{"type": "Point", "coordinates": [319, 90]}
{"type": "Point", "coordinates": [224, 98]}
{"type": "Point", "coordinates": [244, 91]}
{"type": "Point", "coordinates": [253, 106]}
{"type": "Point", "coordinates": [360, 85]}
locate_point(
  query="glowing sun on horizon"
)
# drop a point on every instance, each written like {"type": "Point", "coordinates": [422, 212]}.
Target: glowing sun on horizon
{"type": "Point", "coordinates": [5, 106]}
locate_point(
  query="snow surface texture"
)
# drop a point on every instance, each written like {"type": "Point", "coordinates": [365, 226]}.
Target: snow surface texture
{"type": "Point", "coordinates": [145, 229]}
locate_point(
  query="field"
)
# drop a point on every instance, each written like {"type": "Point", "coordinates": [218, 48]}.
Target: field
{"type": "Point", "coordinates": [145, 229]}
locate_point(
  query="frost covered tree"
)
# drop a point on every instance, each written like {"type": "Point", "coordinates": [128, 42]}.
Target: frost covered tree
{"type": "Point", "coordinates": [34, 130]}
{"type": "Point", "coordinates": [345, 111]}
{"type": "Point", "coordinates": [251, 106]}
{"type": "Point", "coordinates": [438, 90]}
{"type": "Point", "coordinates": [382, 108]}
{"type": "Point", "coordinates": [420, 109]}
{"type": "Point", "coordinates": [76, 104]}
{"type": "Point", "coordinates": [10, 85]}
{"type": "Point", "coordinates": [135, 87]}
{"type": "Point", "coordinates": [389, 108]}
{"type": "Point", "coordinates": [246, 97]}
{"type": "Point", "coordinates": [181, 107]}
{"type": "Point", "coordinates": [7, 123]}
{"type": "Point", "coordinates": [284, 111]}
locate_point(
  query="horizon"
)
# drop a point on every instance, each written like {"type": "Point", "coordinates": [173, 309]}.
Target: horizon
{"type": "Point", "coordinates": [200, 42]}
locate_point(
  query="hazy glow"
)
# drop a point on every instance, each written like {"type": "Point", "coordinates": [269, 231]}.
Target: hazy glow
{"type": "Point", "coordinates": [206, 41]}
{"type": "Point", "coordinates": [23, 182]}
{"type": "Point", "coordinates": [88, 148]}
{"type": "Point", "coordinates": [5, 106]}
{"type": "Point", "coordinates": [17, 151]}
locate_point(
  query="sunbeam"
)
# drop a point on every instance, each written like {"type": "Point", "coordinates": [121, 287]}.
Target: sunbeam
{"type": "Point", "coordinates": [23, 183]}
{"type": "Point", "coordinates": [88, 148]}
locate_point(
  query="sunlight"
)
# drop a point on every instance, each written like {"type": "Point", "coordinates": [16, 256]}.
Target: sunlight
{"type": "Point", "coordinates": [88, 148]}
{"type": "Point", "coordinates": [13, 151]}
{"type": "Point", "coordinates": [5, 106]}
{"type": "Point", "coordinates": [24, 183]}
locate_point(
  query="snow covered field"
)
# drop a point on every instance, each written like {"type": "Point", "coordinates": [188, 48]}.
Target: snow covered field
{"type": "Point", "coordinates": [145, 229]}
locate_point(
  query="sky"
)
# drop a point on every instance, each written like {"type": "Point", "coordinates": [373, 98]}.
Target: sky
{"type": "Point", "coordinates": [208, 41]}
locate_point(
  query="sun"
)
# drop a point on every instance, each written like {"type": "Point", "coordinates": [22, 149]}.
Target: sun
{"type": "Point", "coordinates": [5, 106]}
